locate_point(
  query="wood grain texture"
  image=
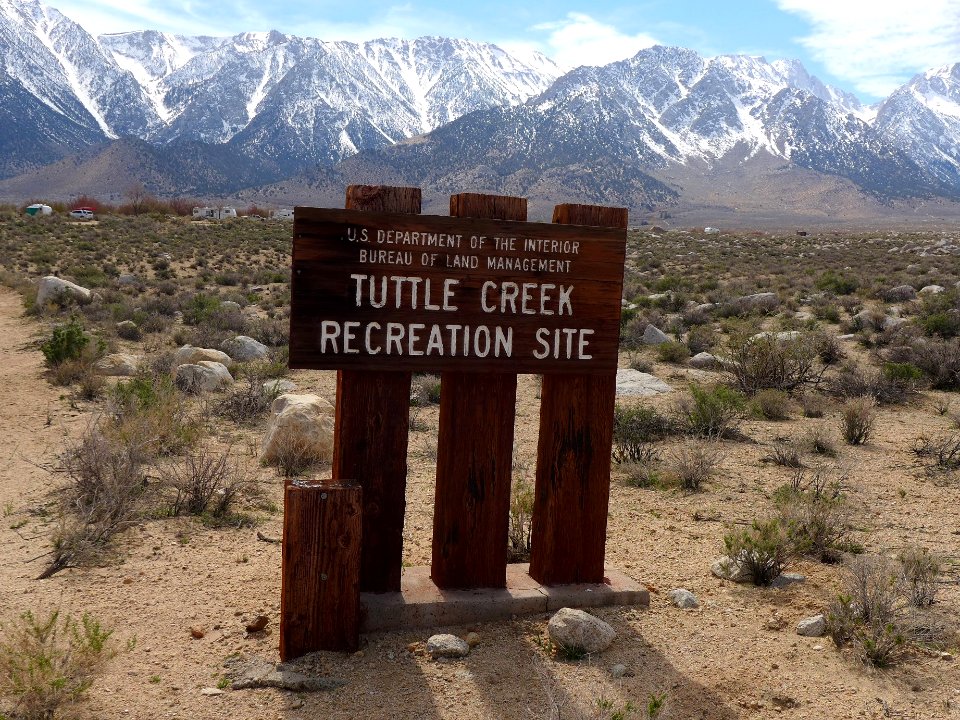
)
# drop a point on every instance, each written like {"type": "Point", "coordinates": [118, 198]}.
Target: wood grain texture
{"type": "Point", "coordinates": [371, 432]}
{"type": "Point", "coordinates": [320, 594]}
{"type": "Point", "coordinates": [573, 457]}
{"type": "Point", "coordinates": [475, 452]}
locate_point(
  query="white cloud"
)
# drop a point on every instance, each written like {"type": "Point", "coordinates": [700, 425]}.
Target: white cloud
{"type": "Point", "coordinates": [578, 39]}
{"type": "Point", "coordinates": [877, 45]}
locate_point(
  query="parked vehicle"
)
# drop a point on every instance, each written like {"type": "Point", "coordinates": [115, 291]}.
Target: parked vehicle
{"type": "Point", "coordinates": [39, 209]}
{"type": "Point", "coordinates": [283, 214]}
{"type": "Point", "coordinates": [214, 213]}
{"type": "Point", "coordinates": [83, 213]}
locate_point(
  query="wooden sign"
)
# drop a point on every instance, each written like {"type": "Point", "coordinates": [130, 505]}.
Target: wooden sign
{"type": "Point", "coordinates": [384, 291]}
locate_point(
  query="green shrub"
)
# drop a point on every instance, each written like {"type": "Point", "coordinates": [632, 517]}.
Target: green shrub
{"type": "Point", "coordinates": [837, 283]}
{"type": "Point", "coordinates": [763, 550]}
{"type": "Point", "coordinates": [46, 665]}
{"type": "Point", "coordinates": [920, 569]}
{"type": "Point", "coordinates": [711, 411]}
{"type": "Point", "coordinates": [672, 352]}
{"type": "Point", "coordinates": [67, 342]}
{"type": "Point", "coordinates": [634, 428]}
{"type": "Point", "coordinates": [939, 315]}
{"type": "Point", "coordinates": [770, 405]}
{"type": "Point", "coordinates": [520, 532]}
{"type": "Point", "coordinates": [902, 372]}
{"type": "Point", "coordinates": [199, 308]}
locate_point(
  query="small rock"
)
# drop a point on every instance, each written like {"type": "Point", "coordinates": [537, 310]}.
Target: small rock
{"type": "Point", "coordinates": [278, 386]}
{"type": "Point", "coordinates": [726, 568]}
{"type": "Point", "coordinates": [618, 671]}
{"type": "Point", "coordinates": [814, 626]}
{"type": "Point", "coordinates": [787, 579]}
{"type": "Point", "coordinates": [703, 361]}
{"type": "Point", "coordinates": [128, 330]}
{"type": "Point", "coordinates": [204, 375]}
{"type": "Point", "coordinates": [127, 279]}
{"type": "Point", "coordinates": [473, 639]}
{"type": "Point", "coordinates": [634, 383]}
{"type": "Point", "coordinates": [447, 646]}
{"type": "Point", "coordinates": [197, 632]}
{"type": "Point", "coordinates": [117, 365]}
{"type": "Point", "coordinates": [59, 291]}
{"type": "Point", "coordinates": [900, 293]}
{"type": "Point", "coordinates": [683, 598]}
{"type": "Point", "coordinates": [576, 629]}
{"type": "Point", "coordinates": [652, 335]}
{"type": "Point", "coordinates": [230, 306]}
{"type": "Point", "coordinates": [258, 624]}
{"type": "Point", "coordinates": [946, 656]}
{"type": "Point", "coordinates": [189, 355]}
{"type": "Point", "coordinates": [243, 348]}
{"type": "Point", "coordinates": [932, 289]}
{"type": "Point", "coordinates": [210, 691]}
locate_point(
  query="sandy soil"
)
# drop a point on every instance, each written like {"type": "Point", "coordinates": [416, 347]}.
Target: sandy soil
{"type": "Point", "coordinates": [723, 661]}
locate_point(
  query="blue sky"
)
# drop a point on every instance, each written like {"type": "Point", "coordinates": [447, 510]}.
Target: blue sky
{"type": "Point", "coordinates": [868, 47]}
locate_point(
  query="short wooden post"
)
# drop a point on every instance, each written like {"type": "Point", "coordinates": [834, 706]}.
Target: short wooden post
{"type": "Point", "coordinates": [320, 596]}
{"type": "Point", "coordinates": [475, 452]}
{"type": "Point", "coordinates": [371, 430]}
{"type": "Point", "coordinates": [573, 456]}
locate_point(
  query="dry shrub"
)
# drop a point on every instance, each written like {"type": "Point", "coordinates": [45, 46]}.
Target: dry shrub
{"type": "Point", "coordinates": [693, 464]}
{"type": "Point", "coordinates": [920, 570]}
{"type": "Point", "coordinates": [820, 442]}
{"type": "Point", "coordinates": [771, 404]}
{"type": "Point", "coordinates": [102, 498]}
{"type": "Point", "coordinates": [206, 483]}
{"type": "Point", "coordinates": [149, 412]}
{"type": "Point", "coordinates": [247, 403]}
{"type": "Point", "coordinates": [762, 550]}
{"type": "Point", "coordinates": [940, 452]}
{"type": "Point", "coordinates": [294, 456]}
{"type": "Point", "coordinates": [815, 511]}
{"type": "Point", "coordinates": [784, 453]}
{"type": "Point", "coordinates": [870, 612]}
{"type": "Point", "coordinates": [812, 405]}
{"type": "Point", "coordinates": [772, 361]}
{"type": "Point", "coordinates": [857, 419]}
{"type": "Point", "coordinates": [47, 665]}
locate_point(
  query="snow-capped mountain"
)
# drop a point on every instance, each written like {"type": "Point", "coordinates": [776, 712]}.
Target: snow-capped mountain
{"type": "Point", "coordinates": [449, 112]}
{"type": "Point", "coordinates": [296, 101]}
{"type": "Point", "coordinates": [923, 118]}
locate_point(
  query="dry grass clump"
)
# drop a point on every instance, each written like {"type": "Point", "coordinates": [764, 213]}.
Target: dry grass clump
{"type": "Point", "coordinates": [857, 419]}
{"type": "Point", "coordinates": [106, 482]}
{"type": "Point", "coordinates": [920, 569]}
{"type": "Point", "coordinates": [785, 453]}
{"type": "Point", "coordinates": [770, 404]}
{"type": "Point", "coordinates": [693, 464]}
{"type": "Point", "coordinates": [711, 412]}
{"type": "Point", "coordinates": [48, 664]}
{"type": "Point", "coordinates": [206, 483]}
{"type": "Point", "coordinates": [520, 532]}
{"type": "Point", "coordinates": [940, 453]}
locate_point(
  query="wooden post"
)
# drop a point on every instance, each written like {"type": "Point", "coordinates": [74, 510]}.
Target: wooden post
{"type": "Point", "coordinates": [319, 596]}
{"type": "Point", "coordinates": [475, 452]}
{"type": "Point", "coordinates": [573, 456]}
{"type": "Point", "coordinates": [370, 436]}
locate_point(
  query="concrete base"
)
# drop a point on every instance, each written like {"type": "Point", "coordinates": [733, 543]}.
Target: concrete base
{"type": "Point", "coordinates": [420, 603]}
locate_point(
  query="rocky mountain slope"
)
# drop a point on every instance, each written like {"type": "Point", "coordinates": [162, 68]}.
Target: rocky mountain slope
{"type": "Point", "coordinates": [209, 116]}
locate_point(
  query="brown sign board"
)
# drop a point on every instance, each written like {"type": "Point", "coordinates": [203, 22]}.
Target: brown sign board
{"type": "Point", "coordinates": [386, 291]}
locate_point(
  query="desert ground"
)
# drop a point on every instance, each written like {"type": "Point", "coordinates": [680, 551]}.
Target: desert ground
{"type": "Point", "coordinates": [163, 579]}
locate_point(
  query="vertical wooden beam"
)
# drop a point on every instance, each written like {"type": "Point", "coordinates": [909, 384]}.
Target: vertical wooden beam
{"type": "Point", "coordinates": [370, 436]}
{"type": "Point", "coordinates": [320, 596]}
{"type": "Point", "coordinates": [573, 456]}
{"type": "Point", "coordinates": [475, 452]}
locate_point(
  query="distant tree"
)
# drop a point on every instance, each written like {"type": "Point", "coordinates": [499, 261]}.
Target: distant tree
{"type": "Point", "coordinates": [138, 199]}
